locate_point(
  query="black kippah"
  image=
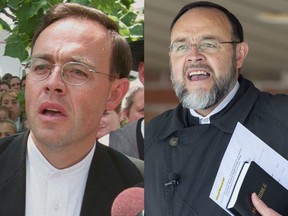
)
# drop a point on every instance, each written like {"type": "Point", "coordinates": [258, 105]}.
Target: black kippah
{"type": "Point", "coordinates": [236, 25]}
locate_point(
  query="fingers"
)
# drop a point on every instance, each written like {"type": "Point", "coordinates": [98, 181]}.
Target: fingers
{"type": "Point", "coordinates": [261, 207]}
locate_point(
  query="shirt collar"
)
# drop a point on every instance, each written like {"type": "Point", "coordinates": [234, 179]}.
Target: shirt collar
{"type": "Point", "coordinates": [38, 161]}
{"type": "Point", "coordinates": [222, 105]}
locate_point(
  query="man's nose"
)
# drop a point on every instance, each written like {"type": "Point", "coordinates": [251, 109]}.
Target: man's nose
{"type": "Point", "coordinates": [194, 54]}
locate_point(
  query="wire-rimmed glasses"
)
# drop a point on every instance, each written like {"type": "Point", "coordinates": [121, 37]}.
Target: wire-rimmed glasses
{"type": "Point", "coordinates": [73, 73]}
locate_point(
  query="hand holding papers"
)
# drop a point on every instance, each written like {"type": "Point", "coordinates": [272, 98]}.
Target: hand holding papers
{"type": "Point", "coordinates": [245, 146]}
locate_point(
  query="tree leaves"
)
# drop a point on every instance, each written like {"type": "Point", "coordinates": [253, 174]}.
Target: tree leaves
{"type": "Point", "coordinates": [4, 25]}
{"type": "Point", "coordinates": [26, 15]}
{"type": "Point", "coordinates": [15, 47]}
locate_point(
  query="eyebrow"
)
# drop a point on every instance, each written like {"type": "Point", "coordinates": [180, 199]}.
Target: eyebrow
{"type": "Point", "coordinates": [42, 56]}
{"type": "Point", "coordinates": [180, 39]}
{"type": "Point", "coordinates": [85, 61]}
{"type": "Point", "coordinates": [79, 59]}
{"type": "Point", "coordinates": [203, 37]}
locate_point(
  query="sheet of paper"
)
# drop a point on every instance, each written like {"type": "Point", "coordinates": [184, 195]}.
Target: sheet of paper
{"type": "Point", "coordinates": [245, 146]}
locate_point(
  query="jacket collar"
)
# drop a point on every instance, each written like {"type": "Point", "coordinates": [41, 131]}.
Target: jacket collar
{"type": "Point", "coordinates": [13, 174]}
{"type": "Point", "coordinates": [103, 184]}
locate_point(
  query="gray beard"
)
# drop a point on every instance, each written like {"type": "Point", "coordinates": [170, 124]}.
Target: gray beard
{"type": "Point", "coordinates": [201, 99]}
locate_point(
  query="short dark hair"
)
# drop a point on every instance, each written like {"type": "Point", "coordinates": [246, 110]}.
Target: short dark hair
{"type": "Point", "coordinates": [235, 23]}
{"type": "Point", "coordinates": [7, 76]}
{"type": "Point", "coordinates": [5, 82]}
{"type": "Point", "coordinates": [121, 58]}
{"type": "Point", "coordinates": [137, 49]}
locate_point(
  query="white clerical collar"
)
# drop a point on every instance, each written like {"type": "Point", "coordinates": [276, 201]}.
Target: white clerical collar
{"type": "Point", "coordinates": [35, 158]}
{"type": "Point", "coordinates": [227, 99]}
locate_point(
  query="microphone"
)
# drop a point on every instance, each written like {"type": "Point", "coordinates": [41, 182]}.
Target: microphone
{"type": "Point", "coordinates": [129, 202]}
{"type": "Point", "coordinates": [174, 180]}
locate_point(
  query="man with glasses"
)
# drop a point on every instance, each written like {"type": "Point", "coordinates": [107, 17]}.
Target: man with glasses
{"type": "Point", "coordinates": [78, 69]}
{"type": "Point", "coordinates": [184, 146]}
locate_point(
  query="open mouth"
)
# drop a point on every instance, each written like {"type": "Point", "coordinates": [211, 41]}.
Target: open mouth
{"type": "Point", "coordinates": [198, 75]}
{"type": "Point", "coordinates": [51, 112]}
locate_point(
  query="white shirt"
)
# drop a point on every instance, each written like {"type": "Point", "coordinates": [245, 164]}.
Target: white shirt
{"type": "Point", "coordinates": [222, 105]}
{"type": "Point", "coordinates": [51, 191]}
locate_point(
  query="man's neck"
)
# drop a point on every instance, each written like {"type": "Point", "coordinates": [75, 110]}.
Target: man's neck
{"type": "Point", "coordinates": [64, 156]}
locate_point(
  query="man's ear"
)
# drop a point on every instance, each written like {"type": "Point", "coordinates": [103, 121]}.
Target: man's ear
{"type": "Point", "coordinates": [241, 53]}
{"type": "Point", "coordinates": [118, 90]}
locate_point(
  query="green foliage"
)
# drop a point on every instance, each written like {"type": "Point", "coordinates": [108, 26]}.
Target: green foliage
{"type": "Point", "coordinates": [21, 99]}
{"type": "Point", "coordinates": [26, 15]}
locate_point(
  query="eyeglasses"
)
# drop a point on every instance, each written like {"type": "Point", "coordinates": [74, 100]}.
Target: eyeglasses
{"type": "Point", "coordinates": [73, 73]}
{"type": "Point", "coordinates": [204, 46]}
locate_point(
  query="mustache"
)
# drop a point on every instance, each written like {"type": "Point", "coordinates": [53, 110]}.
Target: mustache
{"type": "Point", "coordinates": [199, 65]}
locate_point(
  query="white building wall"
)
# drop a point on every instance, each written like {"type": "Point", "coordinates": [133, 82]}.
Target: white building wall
{"type": "Point", "coordinates": [8, 64]}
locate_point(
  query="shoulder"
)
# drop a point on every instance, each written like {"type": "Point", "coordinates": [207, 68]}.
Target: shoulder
{"type": "Point", "coordinates": [275, 104]}
{"type": "Point", "coordinates": [12, 155]}
{"type": "Point", "coordinates": [13, 143]}
{"type": "Point", "coordinates": [168, 115]}
{"type": "Point", "coordinates": [117, 163]}
{"type": "Point", "coordinates": [126, 132]}
{"type": "Point", "coordinates": [166, 122]}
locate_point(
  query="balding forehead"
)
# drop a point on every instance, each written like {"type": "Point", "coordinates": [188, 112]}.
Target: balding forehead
{"type": "Point", "coordinates": [203, 19]}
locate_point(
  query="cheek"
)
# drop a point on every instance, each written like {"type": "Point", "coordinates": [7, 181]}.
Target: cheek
{"type": "Point", "coordinates": [134, 112]}
{"type": "Point", "coordinates": [30, 98]}
{"type": "Point", "coordinates": [177, 67]}
{"type": "Point", "coordinates": [221, 64]}
{"type": "Point", "coordinates": [88, 108]}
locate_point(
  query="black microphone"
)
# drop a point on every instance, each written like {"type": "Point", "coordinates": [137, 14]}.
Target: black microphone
{"type": "Point", "coordinates": [174, 180]}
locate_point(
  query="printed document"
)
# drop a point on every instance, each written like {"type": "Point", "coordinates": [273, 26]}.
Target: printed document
{"type": "Point", "coordinates": [245, 146]}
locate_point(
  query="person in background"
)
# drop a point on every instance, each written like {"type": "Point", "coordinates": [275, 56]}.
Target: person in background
{"type": "Point", "coordinates": [4, 85]}
{"type": "Point", "coordinates": [15, 83]}
{"type": "Point", "coordinates": [5, 113]}
{"type": "Point", "coordinates": [110, 121]}
{"type": "Point", "coordinates": [130, 139]}
{"type": "Point", "coordinates": [184, 146]}
{"type": "Point", "coordinates": [134, 105]}
{"type": "Point", "coordinates": [7, 128]}
{"type": "Point", "coordinates": [7, 77]}
{"type": "Point", "coordinates": [9, 99]}
{"type": "Point", "coordinates": [57, 167]}
{"type": "Point", "coordinates": [23, 83]}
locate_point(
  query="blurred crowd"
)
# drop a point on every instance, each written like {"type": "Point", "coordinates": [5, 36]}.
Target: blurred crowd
{"type": "Point", "coordinates": [12, 105]}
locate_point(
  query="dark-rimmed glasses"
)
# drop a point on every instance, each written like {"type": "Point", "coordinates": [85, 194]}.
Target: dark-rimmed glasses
{"type": "Point", "coordinates": [204, 46]}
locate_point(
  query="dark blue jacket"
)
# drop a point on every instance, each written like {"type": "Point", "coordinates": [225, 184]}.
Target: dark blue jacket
{"type": "Point", "coordinates": [177, 147]}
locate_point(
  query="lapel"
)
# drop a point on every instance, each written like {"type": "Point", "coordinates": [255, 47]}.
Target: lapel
{"type": "Point", "coordinates": [13, 175]}
{"type": "Point", "coordinates": [104, 183]}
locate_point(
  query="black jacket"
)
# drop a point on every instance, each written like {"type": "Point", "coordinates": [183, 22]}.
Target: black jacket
{"type": "Point", "coordinates": [177, 147]}
{"type": "Point", "coordinates": [109, 174]}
